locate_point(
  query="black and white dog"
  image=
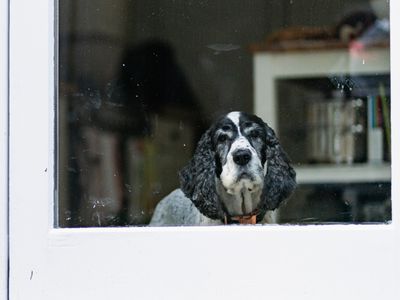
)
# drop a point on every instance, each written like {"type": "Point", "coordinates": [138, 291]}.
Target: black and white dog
{"type": "Point", "coordinates": [238, 173]}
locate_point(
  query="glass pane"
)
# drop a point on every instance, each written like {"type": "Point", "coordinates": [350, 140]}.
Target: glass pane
{"type": "Point", "coordinates": [141, 83]}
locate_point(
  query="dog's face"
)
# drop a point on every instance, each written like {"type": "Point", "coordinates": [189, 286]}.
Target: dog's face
{"type": "Point", "coordinates": [239, 141]}
{"type": "Point", "coordinates": [238, 168]}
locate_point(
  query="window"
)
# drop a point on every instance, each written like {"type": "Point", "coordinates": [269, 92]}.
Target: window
{"type": "Point", "coordinates": [140, 82]}
{"type": "Point", "coordinates": [232, 262]}
{"type": "Point", "coordinates": [3, 150]}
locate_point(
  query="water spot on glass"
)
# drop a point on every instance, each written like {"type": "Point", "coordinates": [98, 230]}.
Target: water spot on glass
{"type": "Point", "coordinates": [72, 170]}
{"type": "Point", "coordinates": [95, 101]}
{"type": "Point", "coordinates": [100, 202]}
{"type": "Point", "coordinates": [128, 187]}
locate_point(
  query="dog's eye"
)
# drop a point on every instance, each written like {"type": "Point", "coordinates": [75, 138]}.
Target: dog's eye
{"type": "Point", "coordinates": [222, 138]}
{"type": "Point", "coordinates": [254, 134]}
{"type": "Point", "coordinates": [247, 124]}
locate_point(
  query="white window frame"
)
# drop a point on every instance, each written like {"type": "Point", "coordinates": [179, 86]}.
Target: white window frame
{"type": "Point", "coordinates": [226, 262]}
{"type": "Point", "coordinates": [3, 150]}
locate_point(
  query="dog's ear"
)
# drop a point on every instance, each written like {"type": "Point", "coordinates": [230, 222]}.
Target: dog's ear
{"type": "Point", "coordinates": [198, 179]}
{"type": "Point", "coordinates": [280, 180]}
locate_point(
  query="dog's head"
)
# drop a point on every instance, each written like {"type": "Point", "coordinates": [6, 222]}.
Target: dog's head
{"type": "Point", "coordinates": [238, 168]}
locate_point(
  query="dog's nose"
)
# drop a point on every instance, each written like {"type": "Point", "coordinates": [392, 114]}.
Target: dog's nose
{"type": "Point", "coordinates": [241, 156]}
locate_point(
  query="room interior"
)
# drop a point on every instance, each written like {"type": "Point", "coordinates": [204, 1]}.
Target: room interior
{"type": "Point", "coordinates": [140, 81]}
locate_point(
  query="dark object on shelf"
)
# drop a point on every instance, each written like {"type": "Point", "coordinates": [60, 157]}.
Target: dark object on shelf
{"type": "Point", "coordinates": [354, 25]}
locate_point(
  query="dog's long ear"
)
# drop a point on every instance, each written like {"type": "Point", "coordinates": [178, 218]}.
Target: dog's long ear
{"type": "Point", "coordinates": [280, 180]}
{"type": "Point", "coordinates": [198, 179]}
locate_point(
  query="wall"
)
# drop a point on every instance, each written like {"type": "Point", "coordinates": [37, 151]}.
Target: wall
{"type": "Point", "coordinates": [223, 79]}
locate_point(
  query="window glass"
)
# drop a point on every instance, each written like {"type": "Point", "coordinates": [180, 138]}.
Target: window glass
{"type": "Point", "coordinates": [140, 82]}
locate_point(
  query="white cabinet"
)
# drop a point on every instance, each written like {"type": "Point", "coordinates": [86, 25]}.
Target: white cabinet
{"type": "Point", "coordinates": [271, 67]}
{"type": "Point", "coordinates": [285, 85]}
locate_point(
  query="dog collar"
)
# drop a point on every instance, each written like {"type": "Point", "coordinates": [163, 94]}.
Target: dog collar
{"type": "Point", "coordinates": [245, 219]}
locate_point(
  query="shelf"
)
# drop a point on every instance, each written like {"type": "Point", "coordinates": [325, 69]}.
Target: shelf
{"type": "Point", "coordinates": [357, 173]}
{"type": "Point", "coordinates": [270, 67]}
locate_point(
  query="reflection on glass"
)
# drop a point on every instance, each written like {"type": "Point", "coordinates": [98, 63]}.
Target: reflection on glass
{"type": "Point", "coordinates": [140, 81]}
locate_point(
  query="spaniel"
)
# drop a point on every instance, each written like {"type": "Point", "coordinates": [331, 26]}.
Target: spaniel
{"type": "Point", "coordinates": [239, 174]}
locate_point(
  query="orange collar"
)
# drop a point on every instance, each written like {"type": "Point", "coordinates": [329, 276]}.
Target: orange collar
{"type": "Point", "coordinates": [245, 219]}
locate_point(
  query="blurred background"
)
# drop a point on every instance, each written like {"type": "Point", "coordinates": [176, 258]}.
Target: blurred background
{"type": "Point", "coordinates": [140, 81]}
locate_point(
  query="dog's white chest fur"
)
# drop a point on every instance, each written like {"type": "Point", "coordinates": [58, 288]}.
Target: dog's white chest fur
{"type": "Point", "coordinates": [242, 199]}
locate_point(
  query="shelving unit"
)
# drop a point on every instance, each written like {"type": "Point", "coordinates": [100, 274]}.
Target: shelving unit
{"type": "Point", "coordinates": [270, 67]}
{"type": "Point", "coordinates": [286, 83]}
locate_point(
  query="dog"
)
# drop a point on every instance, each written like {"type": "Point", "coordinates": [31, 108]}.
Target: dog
{"type": "Point", "coordinates": [239, 173]}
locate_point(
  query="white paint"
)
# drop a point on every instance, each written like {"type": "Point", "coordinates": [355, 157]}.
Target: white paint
{"type": "Point", "coordinates": [3, 149]}
{"type": "Point", "coordinates": [278, 262]}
